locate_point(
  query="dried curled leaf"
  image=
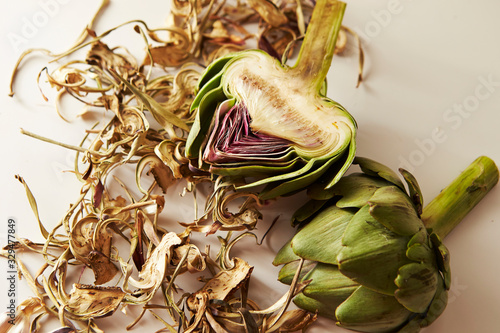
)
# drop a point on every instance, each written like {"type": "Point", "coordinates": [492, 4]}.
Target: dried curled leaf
{"type": "Point", "coordinates": [278, 41]}
{"type": "Point", "coordinates": [218, 289]}
{"type": "Point", "coordinates": [154, 269]}
{"type": "Point", "coordinates": [269, 12]}
{"type": "Point", "coordinates": [293, 321]}
{"type": "Point", "coordinates": [190, 258]}
{"type": "Point", "coordinates": [88, 301]}
{"type": "Point", "coordinates": [169, 55]}
{"type": "Point", "coordinates": [34, 206]}
{"type": "Point", "coordinates": [93, 250]}
{"type": "Point", "coordinates": [227, 282]}
{"type": "Point", "coordinates": [169, 153]}
{"type": "Point", "coordinates": [162, 174]}
{"type": "Point", "coordinates": [21, 319]}
{"type": "Point", "coordinates": [102, 56]}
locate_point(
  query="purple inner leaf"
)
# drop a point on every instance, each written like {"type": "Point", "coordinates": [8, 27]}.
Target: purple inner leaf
{"type": "Point", "coordinates": [233, 140]}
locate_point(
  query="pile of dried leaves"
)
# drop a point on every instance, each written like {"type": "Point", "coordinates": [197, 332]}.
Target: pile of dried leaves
{"type": "Point", "coordinates": [147, 131]}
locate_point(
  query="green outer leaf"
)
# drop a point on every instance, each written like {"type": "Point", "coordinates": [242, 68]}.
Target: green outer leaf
{"type": "Point", "coordinates": [421, 253]}
{"type": "Point", "coordinates": [306, 177]}
{"type": "Point", "coordinates": [328, 285]}
{"type": "Point", "coordinates": [421, 237]}
{"type": "Point", "coordinates": [210, 78]}
{"type": "Point", "coordinates": [312, 305]}
{"type": "Point", "coordinates": [285, 255]}
{"type": "Point", "coordinates": [374, 168]}
{"type": "Point", "coordinates": [350, 156]}
{"type": "Point", "coordinates": [253, 170]}
{"type": "Point", "coordinates": [320, 239]}
{"type": "Point", "coordinates": [442, 258]}
{"type": "Point", "coordinates": [368, 311]}
{"type": "Point", "coordinates": [356, 189]}
{"type": "Point", "coordinates": [414, 189]}
{"type": "Point", "coordinates": [392, 208]}
{"type": "Point", "coordinates": [288, 271]}
{"type": "Point", "coordinates": [372, 254]}
{"type": "Point", "coordinates": [413, 326]}
{"type": "Point", "coordinates": [204, 115]}
{"type": "Point", "coordinates": [417, 285]}
{"type": "Point", "coordinates": [305, 212]}
{"type": "Point", "coordinates": [437, 305]}
{"type": "Point", "coordinates": [306, 168]}
{"type": "Point", "coordinates": [213, 84]}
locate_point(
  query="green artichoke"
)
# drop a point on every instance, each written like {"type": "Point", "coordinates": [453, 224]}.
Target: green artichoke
{"type": "Point", "coordinates": [375, 262]}
{"type": "Point", "coordinates": [270, 124]}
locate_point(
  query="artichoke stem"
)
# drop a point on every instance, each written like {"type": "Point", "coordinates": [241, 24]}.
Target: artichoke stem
{"type": "Point", "coordinates": [454, 202]}
{"type": "Point", "coordinates": [316, 53]}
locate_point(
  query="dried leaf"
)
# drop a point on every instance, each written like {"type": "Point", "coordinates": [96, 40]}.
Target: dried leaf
{"type": "Point", "coordinates": [20, 320]}
{"type": "Point", "coordinates": [153, 271]}
{"type": "Point", "coordinates": [102, 56]}
{"type": "Point", "coordinates": [269, 12]}
{"type": "Point", "coordinates": [278, 41]}
{"type": "Point", "coordinates": [163, 116]}
{"type": "Point", "coordinates": [198, 304]}
{"type": "Point", "coordinates": [87, 301]}
{"type": "Point", "coordinates": [293, 321]}
{"type": "Point", "coordinates": [226, 282]}
{"type": "Point", "coordinates": [93, 250]}
{"type": "Point", "coordinates": [162, 174]}
{"type": "Point", "coordinates": [211, 52]}
{"type": "Point", "coordinates": [98, 191]}
{"type": "Point", "coordinates": [167, 152]}
{"type": "Point", "coordinates": [168, 56]}
{"type": "Point", "coordinates": [34, 206]}
{"type": "Point", "coordinates": [220, 35]}
{"type": "Point", "coordinates": [138, 254]}
{"type": "Point", "coordinates": [194, 261]}
{"type": "Point", "coordinates": [115, 207]}
{"type": "Point", "coordinates": [64, 330]}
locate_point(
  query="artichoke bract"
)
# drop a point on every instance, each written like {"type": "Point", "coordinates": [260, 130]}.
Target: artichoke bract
{"type": "Point", "coordinates": [271, 124]}
{"type": "Point", "coordinates": [373, 256]}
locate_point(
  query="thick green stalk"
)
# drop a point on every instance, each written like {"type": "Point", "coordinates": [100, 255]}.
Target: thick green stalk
{"type": "Point", "coordinates": [454, 202]}
{"type": "Point", "coordinates": [316, 52]}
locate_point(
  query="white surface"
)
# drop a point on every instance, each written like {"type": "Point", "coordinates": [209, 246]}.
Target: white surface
{"type": "Point", "coordinates": [424, 60]}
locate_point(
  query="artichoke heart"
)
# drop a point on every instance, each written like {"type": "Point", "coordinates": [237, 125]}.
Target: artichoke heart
{"type": "Point", "coordinates": [314, 126]}
{"type": "Point", "coordinates": [271, 124]}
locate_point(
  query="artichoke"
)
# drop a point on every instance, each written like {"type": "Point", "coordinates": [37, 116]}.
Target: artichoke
{"type": "Point", "coordinates": [374, 260]}
{"type": "Point", "coordinates": [270, 124]}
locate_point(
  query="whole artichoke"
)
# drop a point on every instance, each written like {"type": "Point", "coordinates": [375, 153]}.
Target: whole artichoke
{"type": "Point", "coordinates": [263, 121]}
{"type": "Point", "coordinates": [373, 264]}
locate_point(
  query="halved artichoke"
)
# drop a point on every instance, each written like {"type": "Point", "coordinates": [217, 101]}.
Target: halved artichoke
{"type": "Point", "coordinates": [262, 120]}
{"type": "Point", "coordinates": [373, 264]}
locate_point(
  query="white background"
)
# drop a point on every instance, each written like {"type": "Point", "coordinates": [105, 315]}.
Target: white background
{"type": "Point", "coordinates": [424, 61]}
